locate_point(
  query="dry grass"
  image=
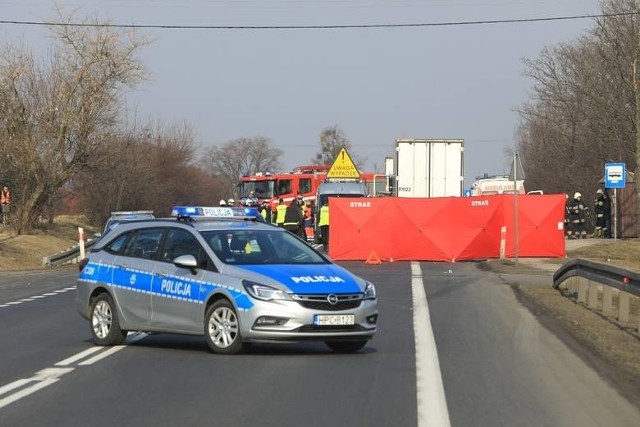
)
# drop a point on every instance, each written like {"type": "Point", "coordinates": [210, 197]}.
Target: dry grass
{"type": "Point", "coordinates": [621, 252]}
{"type": "Point", "coordinates": [25, 252]}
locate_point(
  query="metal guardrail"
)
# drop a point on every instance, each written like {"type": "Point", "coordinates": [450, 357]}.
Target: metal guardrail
{"type": "Point", "coordinates": [68, 256]}
{"type": "Point", "coordinates": [597, 291]}
{"type": "Point", "coordinates": [616, 277]}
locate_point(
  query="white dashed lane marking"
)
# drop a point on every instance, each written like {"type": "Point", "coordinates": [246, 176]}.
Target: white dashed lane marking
{"type": "Point", "coordinates": [18, 389]}
{"type": "Point", "coordinates": [37, 297]}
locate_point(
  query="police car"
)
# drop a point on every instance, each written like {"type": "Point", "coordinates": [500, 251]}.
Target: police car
{"type": "Point", "coordinates": [123, 216]}
{"type": "Point", "coordinates": [223, 273]}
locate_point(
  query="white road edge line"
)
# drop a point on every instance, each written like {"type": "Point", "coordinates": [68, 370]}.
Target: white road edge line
{"type": "Point", "coordinates": [431, 399]}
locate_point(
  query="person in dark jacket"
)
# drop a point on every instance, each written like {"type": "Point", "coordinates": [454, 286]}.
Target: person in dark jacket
{"type": "Point", "coordinates": [577, 213]}
{"type": "Point", "coordinates": [602, 210]}
{"type": "Point", "coordinates": [293, 219]}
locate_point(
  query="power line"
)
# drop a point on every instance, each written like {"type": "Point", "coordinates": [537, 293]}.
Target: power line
{"type": "Point", "coordinates": [317, 27]}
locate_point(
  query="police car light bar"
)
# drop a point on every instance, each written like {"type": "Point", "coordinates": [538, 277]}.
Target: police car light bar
{"type": "Point", "coordinates": [216, 212]}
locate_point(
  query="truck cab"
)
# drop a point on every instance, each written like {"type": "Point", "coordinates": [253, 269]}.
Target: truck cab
{"type": "Point", "coordinates": [335, 189]}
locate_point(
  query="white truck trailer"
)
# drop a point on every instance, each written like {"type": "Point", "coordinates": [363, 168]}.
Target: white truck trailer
{"type": "Point", "coordinates": [429, 167]}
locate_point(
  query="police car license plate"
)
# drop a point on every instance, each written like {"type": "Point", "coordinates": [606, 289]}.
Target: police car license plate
{"type": "Point", "coordinates": [334, 319]}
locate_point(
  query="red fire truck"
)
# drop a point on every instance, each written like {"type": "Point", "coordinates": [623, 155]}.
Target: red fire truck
{"type": "Point", "coordinates": [302, 180]}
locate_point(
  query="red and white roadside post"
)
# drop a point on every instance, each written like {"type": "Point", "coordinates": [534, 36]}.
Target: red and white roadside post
{"type": "Point", "coordinates": [81, 241]}
{"type": "Point", "coordinates": [503, 242]}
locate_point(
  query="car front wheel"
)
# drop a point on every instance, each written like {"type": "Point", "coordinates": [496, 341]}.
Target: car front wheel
{"type": "Point", "coordinates": [222, 328]}
{"type": "Point", "coordinates": [105, 326]}
{"type": "Point", "coordinates": [346, 346]}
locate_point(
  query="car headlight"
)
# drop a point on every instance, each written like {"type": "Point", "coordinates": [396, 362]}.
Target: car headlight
{"type": "Point", "coordinates": [369, 291]}
{"type": "Point", "coordinates": [264, 292]}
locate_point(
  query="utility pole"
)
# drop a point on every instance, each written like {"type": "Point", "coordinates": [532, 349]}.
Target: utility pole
{"type": "Point", "coordinates": [636, 85]}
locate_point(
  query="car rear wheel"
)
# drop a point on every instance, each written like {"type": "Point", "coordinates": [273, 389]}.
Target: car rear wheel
{"type": "Point", "coordinates": [222, 328]}
{"type": "Point", "coordinates": [105, 326]}
{"type": "Point", "coordinates": [346, 346]}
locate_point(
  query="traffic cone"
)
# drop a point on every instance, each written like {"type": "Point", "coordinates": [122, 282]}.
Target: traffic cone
{"type": "Point", "coordinates": [373, 258]}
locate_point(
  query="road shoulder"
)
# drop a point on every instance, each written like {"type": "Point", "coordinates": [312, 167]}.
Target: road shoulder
{"type": "Point", "coordinates": [612, 351]}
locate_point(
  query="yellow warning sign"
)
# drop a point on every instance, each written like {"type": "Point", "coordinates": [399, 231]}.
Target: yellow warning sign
{"type": "Point", "coordinates": [343, 167]}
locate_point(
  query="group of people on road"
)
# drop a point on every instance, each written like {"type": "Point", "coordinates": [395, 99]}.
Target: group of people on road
{"type": "Point", "coordinates": [297, 217]}
{"type": "Point", "coordinates": [230, 202]}
{"type": "Point", "coordinates": [576, 214]}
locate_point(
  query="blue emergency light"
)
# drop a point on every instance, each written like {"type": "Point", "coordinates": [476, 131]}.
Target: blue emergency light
{"type": "Point", "coordinates": [215, 212]}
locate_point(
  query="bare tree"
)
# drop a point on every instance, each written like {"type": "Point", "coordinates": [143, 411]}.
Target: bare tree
{"type": "Point", "coordinates": [152, 168]}
{"type": "Point", "coordinates": [56, 113]}
{"type": "Point", "coordinates": [619, 39]}
{"type": "Point", "coordinates": [332, 140]}
{"type": "Point", "coordinates": [241, 156]}
{"type": "Point", "coordinates": [582, 112]}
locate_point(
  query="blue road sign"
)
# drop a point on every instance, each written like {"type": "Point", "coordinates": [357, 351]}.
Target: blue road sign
{"type": "Point", "coordinates": [615, 175]}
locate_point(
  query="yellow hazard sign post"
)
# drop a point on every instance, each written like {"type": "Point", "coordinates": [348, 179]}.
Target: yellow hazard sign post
{"type": "Point", "coordinates": [343, 167]}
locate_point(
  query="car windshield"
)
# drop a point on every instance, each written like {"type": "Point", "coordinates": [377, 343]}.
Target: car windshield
{"type": "Point", "coordinates": [249, 247]}
{"type": "Point", "coordinates": [260, 189]}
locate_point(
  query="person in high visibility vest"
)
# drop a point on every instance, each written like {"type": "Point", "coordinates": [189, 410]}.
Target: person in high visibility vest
{"type": "Point", "coordinates": [265, 211]}
{"type": "Point", "coordinates": [280, 211]}
{"type": "Point", "coordinates": [323, 223]}
{"type": "Point", "coordinates": [5, 200]}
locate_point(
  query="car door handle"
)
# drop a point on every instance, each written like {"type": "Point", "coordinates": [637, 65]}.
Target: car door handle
{"type": "Point", "coordinates": [162, 274]}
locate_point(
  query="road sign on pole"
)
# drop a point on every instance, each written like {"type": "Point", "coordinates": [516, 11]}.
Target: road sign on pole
{"type": "Point", "coordinates": [615, 175]}
{"type": "Point", "coordinates": [343, 167]}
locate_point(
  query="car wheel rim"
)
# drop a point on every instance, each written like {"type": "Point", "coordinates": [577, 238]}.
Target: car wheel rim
{"type": "Point", "coordinates": [223, 327]}
{"type": "Point", "coordinates": [101, 319]}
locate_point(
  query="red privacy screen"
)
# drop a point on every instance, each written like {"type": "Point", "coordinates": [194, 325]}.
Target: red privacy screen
{"type": "Point", "coordinates": [447, 228]}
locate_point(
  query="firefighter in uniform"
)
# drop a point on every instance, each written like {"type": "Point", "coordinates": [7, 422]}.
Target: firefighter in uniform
{"type": "Point", "coordinates": [280, 210]}
{"type": "Point", "coordinates": [293, 219]}
{"type": "Point", "coordinates": [323, 223]}
{"type": "Point", "coordinates": [577, 217]}
{"type": "Point", "coordinates": [602, 210]}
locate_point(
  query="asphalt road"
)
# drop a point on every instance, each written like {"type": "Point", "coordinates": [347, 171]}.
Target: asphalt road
{"type": "Point", "coordinates": [498, 366]}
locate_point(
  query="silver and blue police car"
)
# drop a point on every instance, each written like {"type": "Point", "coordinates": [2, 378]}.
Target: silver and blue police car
{"type": "Point", "coordinates": [222, 273]}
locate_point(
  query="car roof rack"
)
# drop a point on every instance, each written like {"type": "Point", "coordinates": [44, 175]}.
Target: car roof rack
{"type": "Point", "coordinates": [116, 213]}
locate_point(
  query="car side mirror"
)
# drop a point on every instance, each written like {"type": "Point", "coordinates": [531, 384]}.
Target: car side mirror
{"type": "Point", "coordinates": [186, 261]}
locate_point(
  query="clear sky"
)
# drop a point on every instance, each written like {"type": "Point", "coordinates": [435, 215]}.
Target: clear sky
{"type": "Point", "coordinates": [376, 84]}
